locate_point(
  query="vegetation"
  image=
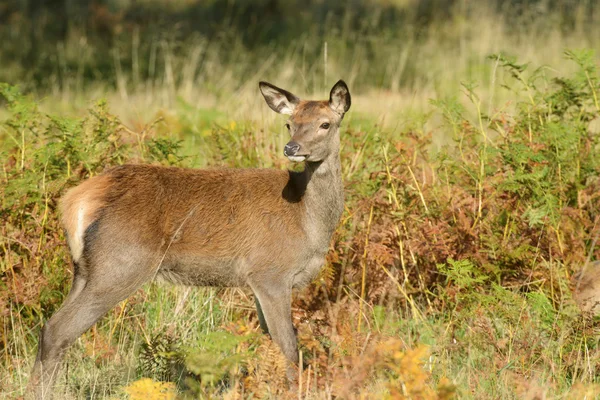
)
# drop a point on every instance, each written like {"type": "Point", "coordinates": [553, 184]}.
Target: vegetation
{"type": "Point", "coordinates": [471, 196]}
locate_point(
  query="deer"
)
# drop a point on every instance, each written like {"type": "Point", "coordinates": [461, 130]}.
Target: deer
{"type": "Point", "coordinates": [266, 229]}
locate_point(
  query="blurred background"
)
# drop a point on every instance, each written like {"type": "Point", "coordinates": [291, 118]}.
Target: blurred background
{"type": "Point", "coordinates": [155, 51]}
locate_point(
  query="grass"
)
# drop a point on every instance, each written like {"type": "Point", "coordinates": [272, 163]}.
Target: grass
{"type": "Point", "coordinates": [470, 183]}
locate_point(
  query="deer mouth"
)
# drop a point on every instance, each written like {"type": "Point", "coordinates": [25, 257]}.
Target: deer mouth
{"type": "Point", "coordinates": [297, 158]}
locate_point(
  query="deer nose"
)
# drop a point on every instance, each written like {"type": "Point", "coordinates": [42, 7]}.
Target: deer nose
{"type": "Point", "coordinates": [291, 149]}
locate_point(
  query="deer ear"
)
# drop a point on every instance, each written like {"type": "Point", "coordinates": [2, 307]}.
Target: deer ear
{"type": "Point", "coordinates": [339, 98]}
{"type": "Point", "coordinates": [279, 100]}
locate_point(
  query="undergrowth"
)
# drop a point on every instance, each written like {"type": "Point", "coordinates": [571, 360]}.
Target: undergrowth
{"type": "Point", "coordinates": [448, 276]}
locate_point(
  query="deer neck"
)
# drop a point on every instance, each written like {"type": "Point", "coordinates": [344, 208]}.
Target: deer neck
{"type": "Point", "coordinates": [324, 197]}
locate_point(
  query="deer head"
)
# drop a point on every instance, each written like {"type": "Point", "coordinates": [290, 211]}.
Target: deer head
{"type": "Point", "coordinates": [313, 125]}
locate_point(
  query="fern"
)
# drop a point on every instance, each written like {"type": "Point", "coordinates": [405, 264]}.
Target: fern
{"type": "Point", "coordinates": [463, 273]}
{"type": "Point", "coordinates": [161, 358]}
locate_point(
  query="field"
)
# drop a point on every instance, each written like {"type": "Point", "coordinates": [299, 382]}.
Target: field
{"type": "Point", "coordinates": [471, 165]}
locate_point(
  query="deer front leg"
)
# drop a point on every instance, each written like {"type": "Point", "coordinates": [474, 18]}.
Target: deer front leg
{"type": "Point", "coordinates": [275, 300]}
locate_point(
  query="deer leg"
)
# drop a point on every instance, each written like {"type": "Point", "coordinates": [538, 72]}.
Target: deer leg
{"type": "Point", "coordinates": [261, 316]}
{"type": "Point", "coordinates": [76, 288]}
{"type": "Point", "coordinates": [90, 298]}
{"type": "Point", "coordinates": [276, 304]}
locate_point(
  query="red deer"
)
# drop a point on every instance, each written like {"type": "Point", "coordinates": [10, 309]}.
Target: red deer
{"type": "Point", "coordinates": [266, 229]}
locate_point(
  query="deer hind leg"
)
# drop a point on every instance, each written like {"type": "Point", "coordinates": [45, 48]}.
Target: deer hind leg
{"type": "Point", "coordinates": [275, 302]}
{"type": "Point", "coordinates": [39, 380]}
{"type": "Point", "coordinates": [112, 279]}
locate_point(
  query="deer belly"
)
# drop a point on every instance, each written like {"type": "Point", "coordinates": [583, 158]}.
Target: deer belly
{"type": "Point", "coordinates": [202, 271]}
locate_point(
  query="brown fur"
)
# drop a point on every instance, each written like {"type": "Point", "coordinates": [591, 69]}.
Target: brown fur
{"type": "Point", "coordinates": [190, 218]}
{"type": "Point", "coordinates": [83, 201]}
{"type": "Point", "coordinates": [306, 110]}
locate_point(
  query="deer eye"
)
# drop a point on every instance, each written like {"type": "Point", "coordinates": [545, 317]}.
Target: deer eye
{"type": "Point", "coordinates": [325, 125]}
{"type": "Point", "coordinates": [287, 126]}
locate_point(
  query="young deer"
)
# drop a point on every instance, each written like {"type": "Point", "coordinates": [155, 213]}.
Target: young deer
{"type": "Point", "coordinates": [263, 228]}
